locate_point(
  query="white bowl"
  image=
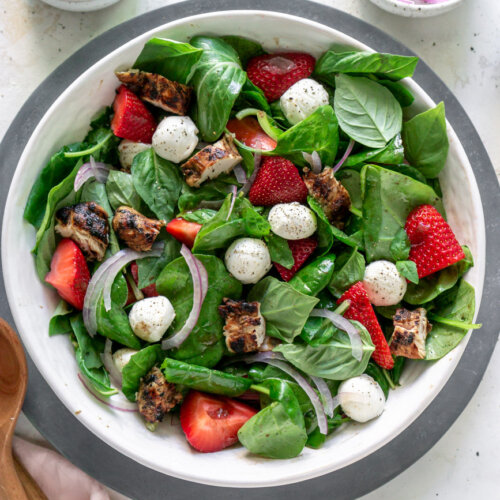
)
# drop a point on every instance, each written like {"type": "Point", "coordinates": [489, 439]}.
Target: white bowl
{"type": "Point", "coordinates": [416, 10]}
{"type": "Point", "coordinates": [166, 450]}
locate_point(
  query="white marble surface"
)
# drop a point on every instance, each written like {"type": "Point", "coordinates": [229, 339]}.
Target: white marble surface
{"type": "Point", "coordinates": [462, 46]}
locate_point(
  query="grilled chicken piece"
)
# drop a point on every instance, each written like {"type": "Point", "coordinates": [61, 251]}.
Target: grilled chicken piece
{"type": "Point", "coordinates": [171, 96]}
{"type": "Point", "coordinates": [410, 331]}
{"type": "Point", "coordinates": [245, 328]}
{"type": "Point", "coordinates": [156, 396]}
{"type": "Point", "coordinates": [87, 225]}
{"type": "Point", "coordinates": [215, 159]}
{"type": "Point", "coordinates": [329, 193]}
{"type": "Point", "coordinates": [136, 230]}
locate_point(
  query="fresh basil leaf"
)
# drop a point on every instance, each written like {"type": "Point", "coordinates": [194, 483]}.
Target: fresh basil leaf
{"type": "Point", "coordinates": [426, 141]}
{"type": "Point", "coordinates": [359, 62]}
{"type": "Point", "coordinates": [284, 309]}
{"type": "Point", "coordinates": [218, 80]}
{"type": "Point", "coordinates": [169, 58]}
{"type": "Point", "coordinates": [158, 183]}
{"type": "Point", "coordinates": [59, 323]}
{"type": "Point", "coordinates": [200, 216]}
{"type": "Point", "coordinates": [215, 190]}
{"type": "Point", "coordinates": [138, 366]}
{"type": "Point", "coordinates": [250, 97]}
{"type": "Point", "coordinates": [349, 269]}
{"type": "Point", "coordinates": [400, 246]}
{"type": "Point", "coordinates": [325, 229]}
{"type": "Point", "coordinates": [279, 250]}
{"type": "Point", "coordinates": [399, 91]}
{"type": "Point", "coordinates": [408, 269]}
{"type": "Point", "coordinates": [412, 172]}
{"type": "Point", "coordinates": [314, 277]}
{"type": "Point", "coordinates": [388, 198]}
{"type": "Point", "coordinates": [331, 360]}
{"type": "Point", "coordinates": [205, 344]}
{"type": "Point", "coordinates": [245, 48]}
{"type": "Point", "coordinates": [351, 181]}
{"type": "Point", "coordinates": [367, 112]}
{"type": "Point", "coordinates": [121, 191]}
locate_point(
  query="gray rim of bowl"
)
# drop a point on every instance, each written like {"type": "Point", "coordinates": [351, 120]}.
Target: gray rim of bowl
{"type": "Point", "coordinates": [121, 473]}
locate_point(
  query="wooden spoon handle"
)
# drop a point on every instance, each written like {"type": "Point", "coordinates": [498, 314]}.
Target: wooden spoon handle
{"type": "Point", "coordinates": [10, 485]}
{"type": "Point", "coordinates": [33, 491]}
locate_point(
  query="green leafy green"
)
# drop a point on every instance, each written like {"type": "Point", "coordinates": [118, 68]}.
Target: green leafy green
{"type": "Point", "coordinates": [349, 269]}
{"type": "Point", "coordinates": [351, 181]}
{"type": "Point", "coordinates": [200, 216]}
{"type": "Point", "coordinates": [377, 374]}
{"type": "Point", "coordinates": [400, 245]}
{"type": "Point", "coordinates": [367, 112]}
{"type": "Point", "coordinates": [325, 230]}
{"type": "Point", "coordinates": [251, 96]}
{"type": "Point", "coordinates": [60, 321]}
{"type": "Point", "coordinates": [284, 308]}
{"type": "Point", "coordinates": [214, 190]}
{"type": "Point", "coordinates": [399, 91]}
{"type": "Point", "coordinates": [279, 250]}
{"type": "Point", "coordinates": [314, 277]}
{"type": "Point", "coordinates": [121, 191]}
{"type": "Point", "coordinates": [245, 48]}
{"type": "Point", "coordinates": [426, 141]}
{"type": "Point", "coordinates": [408, 269]}
{"type": "Point", "coordinates": [393, 154]}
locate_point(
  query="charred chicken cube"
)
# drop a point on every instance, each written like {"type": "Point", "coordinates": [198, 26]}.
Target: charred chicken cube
{"type": "Point", "coordinates": [213, 160]}
{"type": "Point", "coordinates": [136, 230]}
{"type": "Point", "coordinates": [329, 193]}
{"type": "Point", "coordinates": [170, 96]}
{"type": "Point", "coordinates": [156, 397]}
{"type": "Point", "coordinates": [410, 331]}
{"type": "Point", "coordinates": [245, 328]}
{"type": "Point", "coordinates": [87, 225]}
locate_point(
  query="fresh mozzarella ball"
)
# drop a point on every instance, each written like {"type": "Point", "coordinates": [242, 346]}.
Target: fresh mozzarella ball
{"type": "Point", "coordinates": [127, 151]}
{"type": "Point", "coordinates": [175, 138]}
{"type": "Point", "coordinates": [122, 357]}
{"type": "Point", "coordinates": [383, 283]}
{"type": "Point", "coordinates": [292, 221]}
{"type": "Point", "coordinates": [151, 317]}
{"type": "Point", "coordinates": [361, 398]}
{"type": "Point", "coordinates": [302, 99]}
{"type": "Point", "coordinates": [248, 260]}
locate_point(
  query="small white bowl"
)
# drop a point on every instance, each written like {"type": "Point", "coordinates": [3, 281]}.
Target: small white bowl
{"type": "Point", "coordinates": [402, 8]}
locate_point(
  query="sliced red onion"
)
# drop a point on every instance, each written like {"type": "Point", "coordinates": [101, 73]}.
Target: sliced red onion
{"type": "Point", "coordinates": [344, 158]}
{"type": "Point", "coordinates": [325, 394]}
{"type": "Point", "coordinates": [107, 360]}
{"type": "Point", "coordinates": [343, 324]}
{"type": "Point", "coordinates": [199, 285]}
{"type": "Point", "coordinates": [203, 279]}
{"type": "Point", "coordinates": [257, 157]}
{"type": "Point", "coordinates": [240, 174]}
{"type": "Point", "coordinates": [314, 160]}
{"type": "Point", "coordinates": [130, 407]}
{"type": "Point", "coordinates": [90, 170]}
{"type": "Point", "coordinates": [233, 199]}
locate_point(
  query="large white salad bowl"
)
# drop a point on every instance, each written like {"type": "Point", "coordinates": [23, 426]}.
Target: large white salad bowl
{"type": "Point", "coordinates": [166, 450]}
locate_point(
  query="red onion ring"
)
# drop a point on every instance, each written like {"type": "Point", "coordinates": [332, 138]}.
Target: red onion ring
{"type": "Point", "coordinates": [343, 324]}
{"type": "Point", "coordinates": [344, 158]}
{"type": "Point", "coordinates": [200, 287]}
{"type": "Point", "coordinates": [314, 160]}
{"type": "Point", "coordinates": [240, 174]}
{"type": "Point", "coordinates": [257, 157]}
{"type": "Point", "coordinates": [90, 170]}
{"type": "Point", "coordinates": [107, 360]}
{"type": "Point", "coordinates": [325, 394]}
{"type": "Point", "coordinates": [233, 199]}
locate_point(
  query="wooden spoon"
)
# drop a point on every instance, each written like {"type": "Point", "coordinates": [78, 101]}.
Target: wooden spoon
{"type": "Point", "coordinates": [13, 381]}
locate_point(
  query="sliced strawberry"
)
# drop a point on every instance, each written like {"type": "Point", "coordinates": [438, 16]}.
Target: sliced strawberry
{"type": "Point", "coordinates": [132, 120]}
{"type": "Point", "coordinates": [301, 251]}
{"type": "Point", "coordinates": [183, 230]}
{"type": "Point", "coordinates": [148, 291]}
{"type": "Point", "coordinates": [433, 244]}
{"type": "Point", "coordinates": [274, 74]}
{"type": "Point", "coordinates": [211, 423]}
{"type": "Point", "coordinates": [249, 132]}
{"type": "Point", "coordinates": [69, 273]}
{"type": "Point", "coordinates": [277, 181]}
{"type": "Point", "coordinates": [361, 310]}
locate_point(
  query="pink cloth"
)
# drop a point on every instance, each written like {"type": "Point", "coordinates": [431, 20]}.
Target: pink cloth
{"type": "Point", "coordinates": [58, 478]}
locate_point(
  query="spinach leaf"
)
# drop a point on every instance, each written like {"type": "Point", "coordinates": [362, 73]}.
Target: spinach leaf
{"type": "Point", "coordinates": [56, 170]}
{"type": "Point", "coordinates": [251, 96]}
{"type": "Point", "coordinates": [279, 250]}
{"type": "Point", "coordinates": [209, 191]}
{"type": "Point", "coordinates": [103, 145]}
{"type": "Point", "coordinates": [204, 379]}
{"type": "Point", "coordinates": [121, 191]}
{"type": "Point", "coordinates": [138, 366]}
{"type": "Point", "coordinates": [393, 154]}
{"type": "Point", "coordinates": [399, 91]}
{"type": "Point", "coordinates": [388, 198]}
{"type": "Point", "coordinates": [426, 141]}
{"type": "Point", "coordinates": [318, 132]}
{"type": "Point", "coordinates": [400, 246]}
{"type": "Point", "coordinates": [408, 269]}
{"type": "Point", "coordinates": [60, 321]}
{"type": "Point", "coordinates": [200, 216]}
{"type": "Point", "coordinates": [205, 344]}
{"type": "Point", "coordinates": [351, 181]}
{"type": "Point", "coordinates": [359, 62]}
{"type": "Point", "coordinates": [217, 79]}
{"type": "Point", "coordinates": [284, 309]}
{"type": "Point", "coordinates": [332, 359]}
{"type": "Point", "coordinates": [325, 229]}
{"type": "Point", "coordinates": [412, 172]}
{"type": "Point", "coordinates": [158, 183]}
{"type": "Point", "coordinates": [174, 60]}
{"type": "Point", "coordinates": [399, 364]}
{"type": "Point", "coordinates": [456, 304]}
{"type": "Point", "coordinates": [314, 277]}
{"type": "Point", "coordinates": [245, 48]}
{"type": "Point", "coordinates": [349, 269]}
{"type": "Point", "coordinates": [377, 374]}
{"type": "Point", "coordinates": [367, 112]}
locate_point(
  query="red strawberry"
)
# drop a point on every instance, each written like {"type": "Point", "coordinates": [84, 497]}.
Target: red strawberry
{"type": "Point", "coordinates": [132, 120]}
{"type": "Point", "coordinates": [249, 132]}
{"type": "Point", "coordinates": [361, 310]}
{"type": "Point", "coordinates": [433, 244]}
{"type": "Point", "coordinates": [148, 291]}
{"type": "Point", "coordinates": [301, 251]}
{"type": "Point", "coordinates": [276, 73]}
{"type": "Point", "coordinates": [69, 273]}
{"type": "Point", "coordinates": [183, 230]}
{"type": "Point", "coordinates": [277, 181]}
{"type": "Point", "coordinates": [211, 423]}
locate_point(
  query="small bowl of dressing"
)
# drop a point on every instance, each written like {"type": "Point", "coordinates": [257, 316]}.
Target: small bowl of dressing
{"type": "Point", "coordinates": [417, 8]}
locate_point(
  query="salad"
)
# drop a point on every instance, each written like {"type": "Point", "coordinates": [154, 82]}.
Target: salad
{"type": "Point", "coordinates": [256, 242]}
